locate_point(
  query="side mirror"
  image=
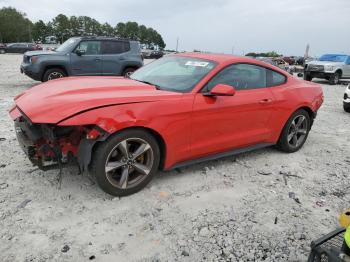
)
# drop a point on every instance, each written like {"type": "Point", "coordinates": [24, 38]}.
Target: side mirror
{"type": "Point", "coordinates": [80, 52]}
{"type": "Point", "coordinates": [221, 90]}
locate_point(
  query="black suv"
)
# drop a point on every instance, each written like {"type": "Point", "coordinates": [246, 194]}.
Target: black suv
{"type": "Point", "coordinates": [84, 56]}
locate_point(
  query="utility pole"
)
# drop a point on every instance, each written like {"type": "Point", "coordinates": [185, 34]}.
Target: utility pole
{"type": "Point", "coordinates": [233, 49]}
{"type": "Point", "coordinates": [177, 44]}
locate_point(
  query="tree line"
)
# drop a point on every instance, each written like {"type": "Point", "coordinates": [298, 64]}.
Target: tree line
{"type": "Point", "coordinates": [16, 27]}
{"type": "Point", "coordinates": [267, 54]}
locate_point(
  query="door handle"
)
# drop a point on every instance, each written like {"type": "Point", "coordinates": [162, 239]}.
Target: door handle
{"type": "Point", "coordinates": [265, 101]}
{"type": "Point", "coordinates": [97, 59]}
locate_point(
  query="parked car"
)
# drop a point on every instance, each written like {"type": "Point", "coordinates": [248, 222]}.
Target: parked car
{"type": "Point", "coordinates": [279, 62]}
{"type": "Point", "coordinates": [178, 110]}
{"type": "Point", "coordinates": [331, 67]}
{"type": "Point", "coordinates": [2, 48]}
{"type": "Point", "coordinates": [156, 54]}
{"type": "Point", "coordinates": [80, 56]}
{"type": "Point", "coordinates": [346, 101]}
{"type": "Point", "coordinates": [20, 48]}
{"type": "Point", "coordinates": [290, 60]}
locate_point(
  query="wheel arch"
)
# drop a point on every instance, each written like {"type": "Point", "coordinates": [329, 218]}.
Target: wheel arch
{"type": "Point", "coordinates": [340, 71]}
{"type": "Point", "coordinates": [131, 65]}
{"type": "Point", "coordinates": [308, 109]}
{"type": "Point", "coordinates": [47, 67]}
{"type": "Point", "coordinates": [159, 138]}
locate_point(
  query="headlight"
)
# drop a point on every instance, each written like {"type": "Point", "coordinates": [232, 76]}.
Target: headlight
{"type": "Point", "coordinates": [33, 59]}
{"type": "Point", "coordinates": [329, 68]}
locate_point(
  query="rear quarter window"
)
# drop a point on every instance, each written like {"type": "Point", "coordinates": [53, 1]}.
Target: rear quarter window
{"type": "Point", "coordinates": [115, 47]}
{"type": "Point", "coordinates": [275, 79]}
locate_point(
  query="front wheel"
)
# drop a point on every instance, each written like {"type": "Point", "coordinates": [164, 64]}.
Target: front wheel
{"type": "Point", "coordinates": [295, 132]}
{"type": "Point", "coordinates": [335, 78]}
{"type": "Point", "coordinates": [53, 73]}
{"type": "Point", "coordinates": [307, 76]}
{"type": "Point", "coordinates": [126, 162]}
{"type": "Point", "coordinates": [2, 51]}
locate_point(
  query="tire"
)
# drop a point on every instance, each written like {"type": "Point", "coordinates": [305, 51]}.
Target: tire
{"type": "Point", "coordinates": [53, 73]}
{"type": "Point", "coordinates": [307, 76]}
{"type": "Point", "coordinates": [346, 107]}
{"type": "Point", "coordinates": [110, 155]}
{"type": "Point", "coordinates": [286, 142]}
{"type": "Point", "coordinates": [128, 72]}
{"type": "Point", "coordinates": [335, 78]}
{"type": "Point", "coordinates": [2, 51]}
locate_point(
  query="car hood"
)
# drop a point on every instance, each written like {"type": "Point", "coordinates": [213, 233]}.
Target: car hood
{"type": "Point", "coordinates": [324, 63]}
{"type": "Point", "coordinates": [36, 53]}
{"type": "Point", "coordinates": [56, 100]}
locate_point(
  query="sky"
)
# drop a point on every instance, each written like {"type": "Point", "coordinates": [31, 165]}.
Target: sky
{"type": "Point", "coordinates": [221, 26]}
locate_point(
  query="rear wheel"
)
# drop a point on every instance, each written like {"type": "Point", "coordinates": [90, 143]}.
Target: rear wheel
{"type": "Point", "coordinates": [295, 132]}
{"type": "Point", "coordinates": [335, 78]}
{"type": "Point", "coordinates": [126, 162]}
{"type": "Point", "coordinates": [128, 72]}
{"type": "Point", "coordinates": [53, 73]}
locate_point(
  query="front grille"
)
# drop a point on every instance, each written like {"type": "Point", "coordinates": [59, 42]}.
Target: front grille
{"type": "Point", "coordinates": [318, 68]}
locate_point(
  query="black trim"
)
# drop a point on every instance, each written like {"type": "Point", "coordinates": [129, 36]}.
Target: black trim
{"type": "Point", "coordinates": [220, 155]}
{"type": "Point", "coordinates": [249, 63]}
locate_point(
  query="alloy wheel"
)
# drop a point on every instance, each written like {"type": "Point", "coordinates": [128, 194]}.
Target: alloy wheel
{"type": "Point", "coordinates": [128, 74]}
{"type": "Point", "coordinates": [54, 75]}
{"type": "Point", "coordinates": [129, 163]}
{"type": "Point", "coordinates": [297, 131]}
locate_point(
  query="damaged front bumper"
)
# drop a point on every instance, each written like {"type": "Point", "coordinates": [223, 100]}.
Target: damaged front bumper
{"type": "Point", "coordinates": [51, 147]}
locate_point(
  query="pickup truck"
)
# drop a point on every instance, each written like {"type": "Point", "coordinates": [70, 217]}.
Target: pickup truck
{"type": "Point", "coordinates": [331, 67]}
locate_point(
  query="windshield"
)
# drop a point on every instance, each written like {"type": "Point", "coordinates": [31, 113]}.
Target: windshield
{"type": "Point", "coordinates": [68, 45]}
{"type": "Point", "coordinates": [333, 58]}
{"type": "Point", "coordinates": [174, 73]}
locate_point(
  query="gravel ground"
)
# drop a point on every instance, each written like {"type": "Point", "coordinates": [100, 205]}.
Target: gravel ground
{"type": "Point", "coordinates": [259, 206]}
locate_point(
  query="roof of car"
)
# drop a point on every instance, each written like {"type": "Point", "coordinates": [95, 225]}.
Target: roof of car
{"type": "Point", "coordinates": [219, 58]}
{"type": "Point", "coordinates": [102, 38]}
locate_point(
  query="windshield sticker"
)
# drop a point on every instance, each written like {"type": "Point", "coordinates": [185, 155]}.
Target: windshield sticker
{"type": "Point", "coordinates": [196, 63]}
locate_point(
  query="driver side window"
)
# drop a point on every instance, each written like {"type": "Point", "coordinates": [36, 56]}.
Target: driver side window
{"type": "Point", "coordinates": [240, 76]}
{"type": "Point", "coordinates": [90, 47]}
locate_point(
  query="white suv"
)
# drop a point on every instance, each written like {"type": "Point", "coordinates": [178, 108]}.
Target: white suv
{"type": "Point", "coordinates": [332, 67]}
{"type": "Point", "coordinates": [346, 101]}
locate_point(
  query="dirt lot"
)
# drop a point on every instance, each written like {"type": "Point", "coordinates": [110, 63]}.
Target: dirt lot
{"type": "Point", "coordinates": [235, 209]}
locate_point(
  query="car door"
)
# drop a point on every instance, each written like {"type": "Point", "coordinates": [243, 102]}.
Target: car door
{"type": "Point", "coordinates": [89, 61]}
{"type": "Point", "coordinates": [223, 123]}
{"type": "Point", "coordinates": [113, 56]}
{"type": "Point", "coordinates": [12, 48]}
{"type": "Point", "coordinates": [346, 72]}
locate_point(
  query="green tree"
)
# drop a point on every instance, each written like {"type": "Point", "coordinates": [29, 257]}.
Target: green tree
{"type": "Point", "coordinates": [14, 26]}
{"type": "Point", "coordinates": [107, 30]}
{"type": "Point", "coordinates": [40, 30]}
{"type": "Point", "coordinates": [120, 30]}
{"type": "Point", "coordinates": [132, 30]}
{"type": "Point", "coordinates": [61, 27]}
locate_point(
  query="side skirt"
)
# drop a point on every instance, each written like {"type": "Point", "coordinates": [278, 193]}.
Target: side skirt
{"type": "Point", "coordinates": [221, 155]}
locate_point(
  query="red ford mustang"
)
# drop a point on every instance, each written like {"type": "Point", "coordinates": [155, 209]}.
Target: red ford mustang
{"type": "Point", "coordinates": [176, 111]}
